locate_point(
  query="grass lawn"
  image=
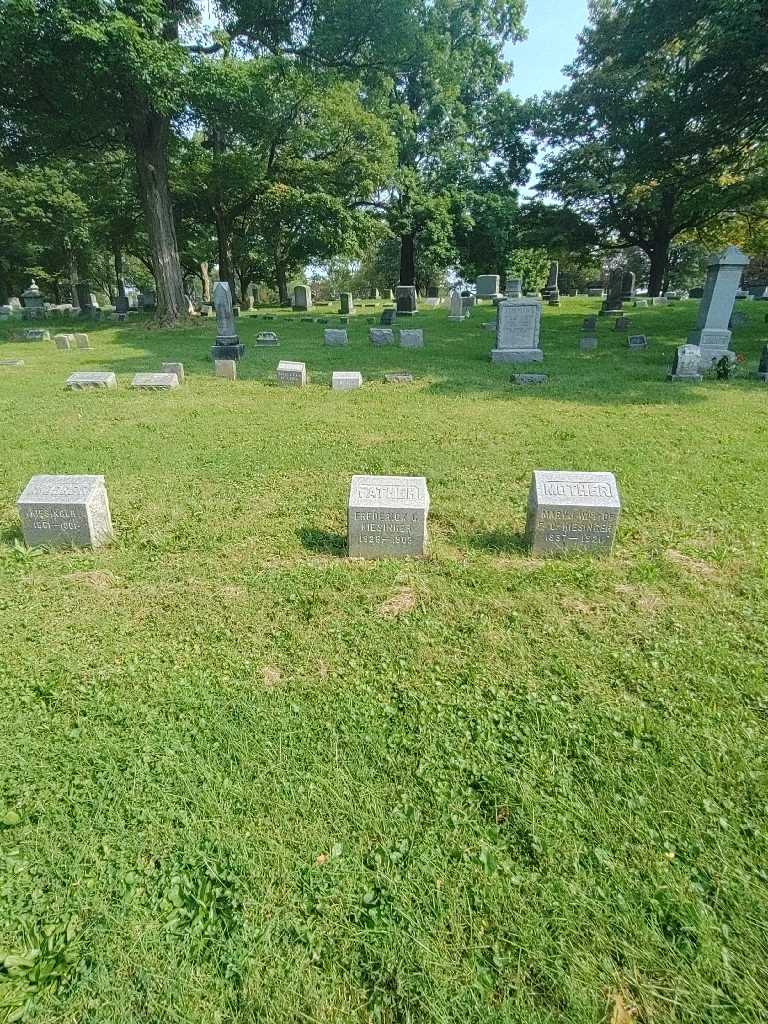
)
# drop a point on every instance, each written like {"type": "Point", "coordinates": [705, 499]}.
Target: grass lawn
{"type": "Point", "coordinates": [246, 780]}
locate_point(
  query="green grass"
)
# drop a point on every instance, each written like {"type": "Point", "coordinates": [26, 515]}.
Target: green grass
{"type": "Point", "coordinates": [245, 780]}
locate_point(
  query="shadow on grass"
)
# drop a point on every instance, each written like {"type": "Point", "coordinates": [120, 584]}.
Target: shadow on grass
{"type": "Point", "coordinates": [499, 542]}
{"type": "Point", "coordinates": [11, 535]}
{"type": "Point", "coordinates": [322, 542]}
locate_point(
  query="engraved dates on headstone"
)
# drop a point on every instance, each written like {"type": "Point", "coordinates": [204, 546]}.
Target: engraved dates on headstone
{"type": "Point", "coordinates": [346, 380]}
{"type": "Point", "coordinates": [332, 336]}
{"type": "Point", "coordinates": [65, 511]}
{"type": "Point", "coordinates": [387, 517]}
{"type": "Point", "coordinates": [85, 380]}
{"type": "Point", "coordinates": [155, 381]}
{"type": "Point", "coordinates": [291, 373]}
{"type": "Point", "coordinates": [381, 336]}
{"type": "Point", "coordinates": [570, 511]}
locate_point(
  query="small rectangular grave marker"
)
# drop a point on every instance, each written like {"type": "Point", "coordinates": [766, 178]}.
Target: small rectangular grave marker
{"type": "Point", "coordinates": [522, 379]}
{"type": "Point", "coordinates": [34, 334]}
{"type": "Point", "coordinates": [265, 339]}
{"type": "Point", "coordinates": [65, 511]}
{"type": "Point", "coordinates": [346, 380]}
{"type": "Point", "coordinates": [570, 511]}
{"type": "Point", "coordinates": [332, 336]}
{"type": "Point", "coordinates": [291, 374]}
{"type": "Point", "coordinates": [398, 378]}
{"type": "Point", "coordinates": [155, 381]}
{"type": "Point", "coordinates": [387, 517]}
{"type": "Point", "coordinates": [63, 342]}
{"type": "Point", "coordinates": [412, 339]}
{"type": "Point", "coordinates": [637, 341]}
{"type": "Point", "coordinates": [226, 368]}
{"type": "Point", "coordinates": [83, 342]}
{"type": "Point", "coordinates": [588, 344]}
{"type": "Point", "coordinates": [381, 336]}
{"type": "Point", "coordinates": [85, 380]}
{"type": "Point", "coordinates": [11, 362]}
{"type": "Point", "coordinates": [177, 368]}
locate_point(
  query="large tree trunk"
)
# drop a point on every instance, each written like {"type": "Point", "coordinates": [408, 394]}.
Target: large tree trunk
{"type": "Point", "coordinates": [281, 280]}
{"type": "Point", "coordinates": [205, 277]}
{"type": "Point", "coordinates": [149, 136]}
{"type": "Point", "coordinates": [225, 253]}
{"type": "Point", "coordinates": [74, 277]}
{"type": "Point", "coordinates": [658, 253]}
{"type": "Point", "coordinates": [407, 259]}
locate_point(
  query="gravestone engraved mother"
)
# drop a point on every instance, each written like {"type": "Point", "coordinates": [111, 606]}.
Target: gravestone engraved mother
{"type": "Point", "coordinates": [65, 511]}
{"type": "Point", "coordinates": [572, 512]}
{"type": "Point", "coordinates": [387, 517]}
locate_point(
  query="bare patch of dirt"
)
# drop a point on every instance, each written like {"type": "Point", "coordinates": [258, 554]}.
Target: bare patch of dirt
{"type": "Point", "coordinates": [695, 566]}
{"type": "Point", "coordinates": [272, 676]}
{"type": "Point", "coordinates": [95, 578]}
{"type": "Point", "coordinates": [401, 602]}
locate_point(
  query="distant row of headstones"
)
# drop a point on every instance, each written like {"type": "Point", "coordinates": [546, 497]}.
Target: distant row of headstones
{"type": "Point", "coordinates": [568, 512]}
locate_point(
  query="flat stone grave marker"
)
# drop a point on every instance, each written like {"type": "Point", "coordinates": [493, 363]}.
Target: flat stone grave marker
{"type": "Point", "coordinates": [588, 344]}
{"type": "Point", "coordinates": [11, 362]}
{"type": "Point", "coordinates": [387, 517]}
{"type": "Point", "coordinates": [572, 512]}
{"type": "Point", "coordinates": [65, 511]}
{"type": "Point", "coordinates": [63, 342]}
{"type": "Point", "coordinates": [155, 381]}
{"type": "Point", "coordinates": [388, 317]}
{"type": "Point", "coordinates": [522, 379]}
{"type": "Point", "coordinates": [636, 341]}
{"type": "Point", "coordinates": [622, 324]}
{"type": "Point", "coordinates": [83, 342]}
{"type": "Point", "coordinates": [267, 338]}
{"type": "Point", "coordinates": [35, 334]}
{"type": "Point", "coordinates": [86, 380]}
{"type": "Point", "coordinates": [398, 378]}
{"type": "Point", "coordinates": [291, 374]}
{"type": "Point", "coordinates": [641, 303]}
{"type": "Point", "coordinates": [226, 368]}
{"type": "Point", "coordinates": [381, 336]}
{"type": "Point", "coordinates": [346, 380]}
{"type": "Point", "coordinates": [412, 339]}
{"type": "Point", "coordinates": [177, 368]}
{"type": "Point", "coordinates": [332, 336]}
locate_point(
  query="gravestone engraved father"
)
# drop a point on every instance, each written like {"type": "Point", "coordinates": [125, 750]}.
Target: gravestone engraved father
{"type": "Point", "coordinates": [65, 511]}
{"type": "Point", "coordinates": [387, 517]}
{"type": "Point", "coordinates": [572, 512]}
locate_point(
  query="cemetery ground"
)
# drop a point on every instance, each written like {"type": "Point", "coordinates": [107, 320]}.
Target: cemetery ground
{"type": "Point", "coordinates": [245, 778]}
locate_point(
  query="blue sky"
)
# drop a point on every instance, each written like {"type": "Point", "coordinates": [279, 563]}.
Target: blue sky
{"type": "Point", "coordinates": [552, 29]}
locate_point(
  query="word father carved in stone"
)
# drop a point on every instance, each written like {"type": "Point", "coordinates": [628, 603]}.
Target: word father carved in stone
{"type": "Point", "coordinates": [387, 517]}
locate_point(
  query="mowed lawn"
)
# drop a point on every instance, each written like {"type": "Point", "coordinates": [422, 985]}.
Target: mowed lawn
{"type": "Point", "coordinates": [245, 779]}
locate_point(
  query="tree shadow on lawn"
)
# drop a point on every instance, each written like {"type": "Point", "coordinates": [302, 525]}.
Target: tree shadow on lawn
{"type": "Point", "coordinates": [452, 364]}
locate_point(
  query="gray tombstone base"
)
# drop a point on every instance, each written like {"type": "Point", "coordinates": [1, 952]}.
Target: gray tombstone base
{"type": "Point", "coordinates": [387, 517]}
{"type": "Point", "coordinates": [65, 511]}
{"type": "Point", "coordinates": [572, 512]}
{"type": "Point", "coordinates": [517, 355]}
{"type": "Point", "coordinates": [224, 351]}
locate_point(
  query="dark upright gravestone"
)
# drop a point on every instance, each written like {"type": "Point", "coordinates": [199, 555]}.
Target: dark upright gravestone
{"type": "Point", "coordinates": [85, 298]}
{"type": "Point", "coordinates": [406, 300]}
{"type": "Point", "coordinates": [628, 286]}
{"type": "Point", "coordinates": [613, 303]}
{"type": "Point", "coordinates": [227, 344]}
{"type": "Point", "coordinates": [388, 317]}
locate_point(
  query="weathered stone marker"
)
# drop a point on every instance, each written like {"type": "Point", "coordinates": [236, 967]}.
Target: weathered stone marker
{"type": "Point", "coordinates": [388, 317]}
{"type": "Point", "coordinates": [302, 297]}
{"type": "Point", "coordinates": [487, 286]}
{"type": "Point", "coordinates": [177, 368]}
{"type": "Point", "coordinates": [291, 374]}
{"type": "Point", "coordinates": [346, 303]}
{"type": "Point", "coordinates": [85, 380]}
{"type": "Point", "coordinates": [11, 362]}
{"type": "Point", "coordinates": [35, 334]}
{"type": "Point", "coordinates": [406, 300]}
{"type": "Point", "coordinates": [523, 379]}
{"type": "Point", "coordinates": [83, 342]}
{"type": "Point", "coordinates": [572, 512]}
{"type": "Point", "coordinates": [457, 307]}
{"type": "Point", "coordinates": [687, 364]}
{"type": "Point", "coordinates": [398, 378]}
{"type": "Point", "coordinates": [636, 341]}
{"type": "Point", "coordinates": [712, 333]}
{"type": "Point", "coordinates": [65, 511]}
{"type": "Point", "coordinates": [614, 302]}
{"type": "Point", "coordinates": [227, 346]}
{"type": "Point", "coordinates": [226, 368]}
{"type": "Point", "coordinates": [346, 380]}
{"type": "Point", "coordinates": [412, 339]}
{"type": "Point", "coordinates": [265, 339]}
{"type": "Point", "coordinates": [155, 381]}
{"type": "Point", "coordinates": [518, 323]}
{"type": "Point", "coordinates": [588, 343]}
{"type": "Point", "coordinates": [335, 337]}
{"type": "Point", "coordinates": [63, 342]}
{"type": "Point", "coordinates": [387, 517]}
{"type": "Point", "coordinates": [381, 336]}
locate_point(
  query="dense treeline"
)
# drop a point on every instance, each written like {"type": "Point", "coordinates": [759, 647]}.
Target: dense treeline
{"type": "Point", "coordinates": [139, 142]}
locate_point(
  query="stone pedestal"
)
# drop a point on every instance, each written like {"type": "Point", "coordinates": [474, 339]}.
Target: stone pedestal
{"type": "Point", "coordinates": [687, 364]}
{"type": "Point", "coordinates": [406, 300]}
{"type": "Point", "coordinates": [227, 346]}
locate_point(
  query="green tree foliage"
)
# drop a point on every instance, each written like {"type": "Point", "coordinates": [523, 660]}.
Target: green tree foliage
{"type": "Point", "coordinates": [658, 132]}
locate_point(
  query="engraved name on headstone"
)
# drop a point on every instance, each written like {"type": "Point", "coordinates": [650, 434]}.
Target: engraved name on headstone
{"type": "Point", "coordinates": [226, 368]}
{"type": "Point", "coordinates": [292, 374]}
{"type": "Point", "coordinates": [387, 517]}
{"type": "Point", "coordinates": [155, 381]}
{"type": "Point", "coordinates": [569, 511]}
{"type": "Point", "coordinates": [381, 335]}
{"type": "Point", "coordinates": [412, 339]}
{"type": "Point", "coordinates": [65, 511]}
{"type": "Point", "coordinates": [346, 380]}
{"type": "Point", "coordinates": [333, 336]}
{"type": "Point", "coordinates": [518, 323]}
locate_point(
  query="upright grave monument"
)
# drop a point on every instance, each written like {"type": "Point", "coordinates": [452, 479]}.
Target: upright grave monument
{"type": "Point", "coordinates": [551, 291]}
{"type": "Point", "coordinates": [346, 304]}
{"type": "Point", "coordinates": [302, 298]}
{"type": "Point", "coordinates": [487, 286]}
{"type": "Point", "coordinates": [518, 327]}
{"type": "Point", "coordinates": [687, 364]}
{"type": "Point", "coordinates": [572, 512]}
{"type": "Point", "coordinates": [457, 307]}
{"type": "Point", "coordinates": [406, 300]}
{"type": "Point", "coordinates": [628, 286]}
{"type": "Point", "coordinates": [387, 517]}
{"type": "Point", "coordinates": [514, 289]}
{"type": "Point", "coordinates": [34, 304]}
{"type": "Point", "coordinates": [614, 301]}
{"type": "Point", "coordinates": [723, 277]}
{"type": "Point", "coordinates": [65, 511]}
{"type": "Point", "coordinates": [227, 344]}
